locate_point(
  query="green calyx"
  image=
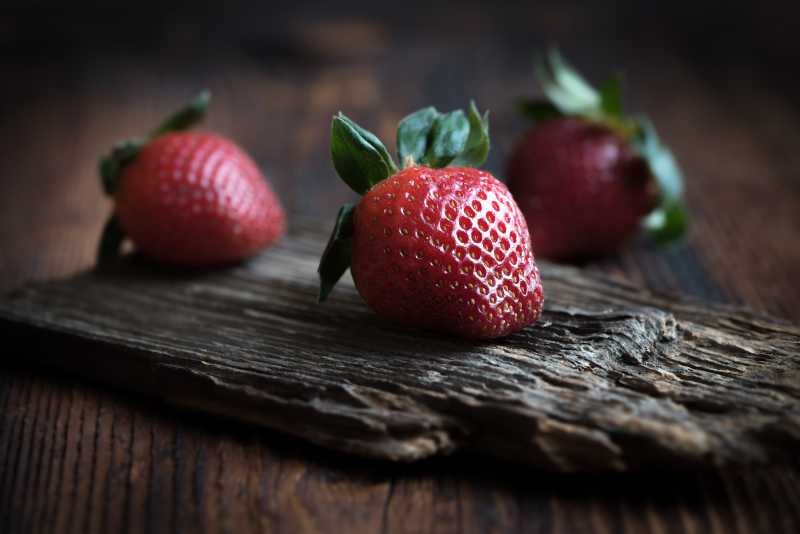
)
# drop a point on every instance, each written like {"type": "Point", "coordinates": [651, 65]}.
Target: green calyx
{"type": "Point", "coordinates": [425, 137]}
{"type": "Point", "coordinates": [435, 139]}
{"type": "Point", "coordinates": [123, 153]}
{"type": "Point", "coordinates": [358, 155]}
{"type": "Point", "coordinates": [336, 258]}
{"type": "Point", "coordinates": [568, 94]}
{"type": "Point", "coordinates": [126, 151]}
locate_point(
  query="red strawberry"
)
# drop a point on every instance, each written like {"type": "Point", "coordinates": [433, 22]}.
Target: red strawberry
{"type": "Point", "coordinates": [431, 246]}
{"type": "Point", "coordinates": [581, 186]}
{"type": "Point", "coordinates": [587, 177]}
{"type": "Point", "coordinates": [191, 198]}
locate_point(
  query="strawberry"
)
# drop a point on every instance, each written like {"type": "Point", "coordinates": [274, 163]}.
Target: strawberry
{"type": "Point", "coordinates": [190, 198]}
{"type": "Point", "coordinates": [438, 245]}
{"type": "Point", "coordinates": [587, 177]}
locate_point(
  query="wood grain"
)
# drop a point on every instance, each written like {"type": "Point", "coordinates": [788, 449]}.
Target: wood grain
{"type": "Point", "coordinates": [611, 378]}
{"type": "Point", "coordinates": [166, 472]}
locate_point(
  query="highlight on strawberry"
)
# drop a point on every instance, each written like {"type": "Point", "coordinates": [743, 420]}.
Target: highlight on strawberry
{"type": "Point", "coordinates": [186, 197]}
{"type": "Point", "coordinates": [587, 176]}
{"type": "Point", "coordinates": [436, 243]}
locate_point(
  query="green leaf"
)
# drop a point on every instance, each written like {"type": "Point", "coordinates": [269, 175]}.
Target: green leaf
{"type": "Point", "coordinates": [110, 240]}
{"type": "Point", "coordinates": [112, 164]}
{"type": "Point", "coordinates": [448, 139]}
{"type": "Point", "coordinates": [668, 222]}
{"type": "Point", "coordinates": [336, 258]}
{"type": "Point", "coordinates": [413, 133]}
{"type": "Point", "coordinates": [441, 139]}
{"type": "Point", "coordinates": [538, 110]}
{"type": "Point", "coordinates": [611, 97]}
{"type": "Point", "coordinates": [662, 163]}
{"type": "Point", "coordinates": [124, 152]}
{"type": "Point", "coordinates": [564, 87]}
{"type": "Point", "coordinates": [186, 117]}
{"type": "Point", "coordinates": [477, 147]}
{"type": "Point", "coordinates": [358, 156]}
{"type": "Point", "coordinates": [373, 140]}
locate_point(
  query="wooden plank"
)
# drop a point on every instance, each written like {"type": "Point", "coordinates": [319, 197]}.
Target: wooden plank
{"type": "Point", "coordinates": [612, 378]}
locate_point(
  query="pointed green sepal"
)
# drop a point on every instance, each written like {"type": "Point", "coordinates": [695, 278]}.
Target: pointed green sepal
{"type": "Point", "coordinates": [123, 153]}
{"type": "Point", "coordinates": [111, 165]}
{"type": "Point", "coordinates": [568, 93]}
{"type": "Point", "coordinates": [662, 163]}
{"type": "Point", "coordinates": [110, 240]}
{"type": "Point", "coordinates": [611, 97]}
{"type": "Point", "coordinates": [336, 258]}
{"type": "Point", "coordinates": [186, 117]}
{"type": "Point", "coordinates": [477, 149]}
{"type": "Point", "coordinates": [564, 87]}
{"type": "Point", "coordinates": [437, 140]}
{"type": "Point", "coordinates": [668, 222]}
{"type": "Point", "coordinates": [412, 135]}
{"type": "Point", "coordinates": [448, 139]}
{"type": "Point", "coordinates": [359, 157]}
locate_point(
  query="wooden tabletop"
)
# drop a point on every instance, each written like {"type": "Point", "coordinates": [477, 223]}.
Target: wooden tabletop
{"type": "Point", "coordinates": [77, 457]}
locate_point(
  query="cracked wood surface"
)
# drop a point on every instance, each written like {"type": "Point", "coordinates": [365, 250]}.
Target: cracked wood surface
{"type": "Point", "coordinates": [611, 378]}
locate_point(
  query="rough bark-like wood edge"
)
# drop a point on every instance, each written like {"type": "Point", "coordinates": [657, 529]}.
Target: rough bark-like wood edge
{"type": "Point", "coordinates": [613, 377]}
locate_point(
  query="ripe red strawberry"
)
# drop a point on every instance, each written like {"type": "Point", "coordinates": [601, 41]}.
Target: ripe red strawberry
{"type": "Point", "coordinates": [431, 246]}
{"type": "Point", "coordinates": [587, 177]}
{"type": "Point", "coordinates": [192, 198]}
{"type": "Point", "coordinates": [581, 186]}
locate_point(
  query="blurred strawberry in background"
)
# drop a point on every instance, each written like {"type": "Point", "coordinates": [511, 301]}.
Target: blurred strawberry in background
{"type": "Point", "coordinates": [185, 197]}
{"type": "Point", "coordinates": [587, 176]}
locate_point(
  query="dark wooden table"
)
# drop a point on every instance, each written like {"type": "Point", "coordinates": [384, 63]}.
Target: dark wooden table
{"type": "Point", "coordinates": [76, 457]}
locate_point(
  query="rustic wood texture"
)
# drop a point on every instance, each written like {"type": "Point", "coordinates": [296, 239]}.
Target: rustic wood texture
{"type": "Point", "coordinates": [75, 457]}
{"type": "Point", "coordinates": [611, 377]}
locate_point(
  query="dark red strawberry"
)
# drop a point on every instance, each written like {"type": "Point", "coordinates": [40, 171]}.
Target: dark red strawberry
{"type": "Point", "coordinates": [582, 187]}
{"type": "Point", "coordinates": [192, 198]}
{"type": "Point", "coordinates": [432, 246]}
{"type": "Point", "coordinates": [587, 177]}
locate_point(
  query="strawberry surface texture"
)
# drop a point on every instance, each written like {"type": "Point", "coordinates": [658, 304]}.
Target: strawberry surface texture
{"type": "Point", "coordinates": [446, 249]}
{"type": "Point", "coordinates": [196, 198]}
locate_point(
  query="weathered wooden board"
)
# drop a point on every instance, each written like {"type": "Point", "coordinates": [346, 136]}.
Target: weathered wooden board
{"type": "Point", "coordinates": [611, 378]}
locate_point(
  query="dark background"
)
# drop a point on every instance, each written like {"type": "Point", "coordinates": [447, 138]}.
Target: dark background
{"type": "Point", "coordinates": [719, 79]}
